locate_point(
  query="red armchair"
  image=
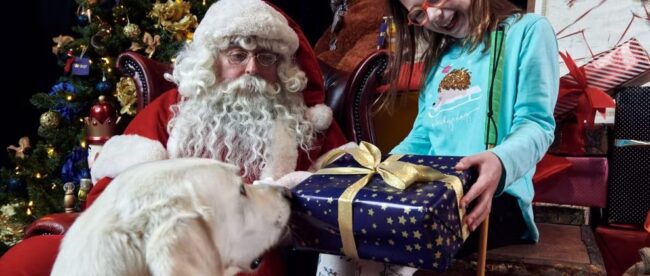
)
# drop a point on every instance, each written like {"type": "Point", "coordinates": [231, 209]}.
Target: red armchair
{"type": "Point", "coordinates": [348, 94]}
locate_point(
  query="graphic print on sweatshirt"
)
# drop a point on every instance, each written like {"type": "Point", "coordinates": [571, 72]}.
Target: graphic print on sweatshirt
{"type": "Point", "coordinates": [455, 92]}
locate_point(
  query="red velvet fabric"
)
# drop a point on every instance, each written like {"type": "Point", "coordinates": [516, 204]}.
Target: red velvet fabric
{"type": "Point", "coordinates": [34, 256]}
{"type": "Point", "coordinates": [619, 246]}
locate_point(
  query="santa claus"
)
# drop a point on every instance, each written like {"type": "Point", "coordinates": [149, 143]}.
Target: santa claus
{"type": "Point", "coordinates": [250, 93]}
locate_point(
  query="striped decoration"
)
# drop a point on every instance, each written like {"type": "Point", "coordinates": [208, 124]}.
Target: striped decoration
{"type": "Point", "coordinates": [608, 70]}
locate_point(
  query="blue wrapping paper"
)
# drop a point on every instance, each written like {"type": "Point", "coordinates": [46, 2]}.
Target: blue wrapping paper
{"type": "Point", "coordinates": [418, 227]}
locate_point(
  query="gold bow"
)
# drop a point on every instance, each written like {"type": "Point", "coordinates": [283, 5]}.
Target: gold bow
{"type": "Point", "coordinates": [395, 173]}
{"type": "Point", "coordinates": [152, 42]}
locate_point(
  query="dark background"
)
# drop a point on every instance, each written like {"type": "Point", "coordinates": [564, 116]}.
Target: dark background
{"type": "Point", "coordinates": [31, 67]}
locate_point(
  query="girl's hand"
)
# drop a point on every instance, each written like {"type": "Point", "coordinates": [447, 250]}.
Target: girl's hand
{"type": "Point", "coordinates": [489, 173]}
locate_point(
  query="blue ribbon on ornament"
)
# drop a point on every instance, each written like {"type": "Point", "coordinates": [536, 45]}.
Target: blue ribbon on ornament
{"type": "Point", "coordinates": [75, 167]}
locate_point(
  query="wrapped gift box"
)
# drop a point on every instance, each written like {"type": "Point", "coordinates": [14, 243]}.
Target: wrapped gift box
{"type": "Point", "coordinates": [419, 226]}
{"type": "Point", "coordinates": [628, 198]}
{"type": "Point", "coordinates": [583, 184]}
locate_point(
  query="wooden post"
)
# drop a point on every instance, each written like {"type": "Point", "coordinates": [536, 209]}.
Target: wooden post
{"type": "Point", "coordinates": [482, 247]}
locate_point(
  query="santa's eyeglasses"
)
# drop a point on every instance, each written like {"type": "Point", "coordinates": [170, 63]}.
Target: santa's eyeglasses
{"type": "Point", "coordinates": [418, 14]}
{"type": "Point", "coordinates": [241, 57]}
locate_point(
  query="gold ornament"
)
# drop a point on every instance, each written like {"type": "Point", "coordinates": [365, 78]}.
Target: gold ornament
{"type": "Point", "coordinates": [457, 79]}
{"type": "Point", "coordinates": [68, 198]}
{"type": "Point", "coordinates": [175, 17]}
{"type": "Point", "coordinates": [151, 42]}
{"type": "Point", "coordinates": [23, 146]}
{"type": "Point", "coordinates": [50, 119]}
{"type": "Point", "coordinates": [131, 31]}
{"type": "Point", "coordinates": [127, 95]}
{"type": "Point", "coordinates": [84, 187]}
{"type": "Point", "coordinates": [60, 41]}
{"type": "Point", "coordinates": [11, 232]}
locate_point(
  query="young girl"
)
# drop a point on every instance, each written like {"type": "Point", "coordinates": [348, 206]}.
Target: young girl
{"type": "Point", "coordinates": [465, 45]}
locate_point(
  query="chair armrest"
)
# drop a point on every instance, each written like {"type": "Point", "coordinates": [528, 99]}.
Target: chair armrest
{"type": "Point", "coordinates": [361, 91]}
{"type": "Point", "coordinates": [52, 224]}
{"type": "Point", "coordinates": [148, 75]}
{"type": "Point", "coordinates": [334, 81]}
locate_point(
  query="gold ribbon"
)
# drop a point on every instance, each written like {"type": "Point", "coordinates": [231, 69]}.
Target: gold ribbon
{"type": "Point", "coordinates": [397, 174]}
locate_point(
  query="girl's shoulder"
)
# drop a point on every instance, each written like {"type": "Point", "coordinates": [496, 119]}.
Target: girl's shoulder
{"type": "Point", "coordinates": [525, 22]}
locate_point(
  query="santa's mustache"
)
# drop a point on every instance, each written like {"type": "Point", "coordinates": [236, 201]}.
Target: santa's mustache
{"type": "Point", "coordinates": [249, 84]}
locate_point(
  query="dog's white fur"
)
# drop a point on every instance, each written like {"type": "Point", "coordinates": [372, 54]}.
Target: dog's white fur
{"type": "Point", "coordinates": [175, 217]}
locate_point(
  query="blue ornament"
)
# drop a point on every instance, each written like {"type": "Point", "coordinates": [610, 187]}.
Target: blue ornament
{"type": "Point", "coordinates": [15, 185]}
{"type": "Point", "coordinates": [103, 87]}
{"type": "Point", "coordinates": [82, 20]}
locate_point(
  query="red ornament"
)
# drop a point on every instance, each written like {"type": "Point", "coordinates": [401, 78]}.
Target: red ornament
{"type": "Point", "coordinates": [100, 123]}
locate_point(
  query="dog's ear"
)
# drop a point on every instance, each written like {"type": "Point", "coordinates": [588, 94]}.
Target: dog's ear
{"type": "Point", "coordinates": [183, 246]}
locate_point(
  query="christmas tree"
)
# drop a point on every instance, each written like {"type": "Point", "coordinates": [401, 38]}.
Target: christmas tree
{"type": "Point", "coordinates": [34, 185]}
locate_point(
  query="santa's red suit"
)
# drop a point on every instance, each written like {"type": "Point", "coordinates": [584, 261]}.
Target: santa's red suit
{"type": "Point", "coordinates": [145, 139]}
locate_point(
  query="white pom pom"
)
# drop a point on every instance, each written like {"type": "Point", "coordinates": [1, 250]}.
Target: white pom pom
{"type": "Point", "coordinates": [320, 116]}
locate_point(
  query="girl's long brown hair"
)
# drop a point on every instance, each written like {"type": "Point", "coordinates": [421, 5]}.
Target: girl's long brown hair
{"type": "Point", "coordinates": [484, 16]}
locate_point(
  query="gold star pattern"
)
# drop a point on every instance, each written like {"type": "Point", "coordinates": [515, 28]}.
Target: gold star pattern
{"type": "Point", "coordinates": [438, 254]}
{"type": "Point", "coordinates": [391, 242]}
{"type": "Point", "coordinates": [417, 247]}
{"type": "Point", "coordinates": [374, 195]}
{"type": "Point", "coordinates": [384, 206]}
{"type": "Point", "coordinates": [403, 199]}
{"type": "Point", "coordinates": [439, 241]}
{"type": "Point", "coordinates": [429, 245]}
{"type": "Point", "coordinates": [402, 220]}
{"type": "Point", "coordinates": [405, 234]}
{"type": "Point", "coordinates": [413, 220]}
{"type": "Point", "coordinates": [371, 212]}
{"type": "Point", "coordinates": [330, 200]}
{"type": "Point", "coordinates": [393, 231]}
{"type": "Point", "coordinates": [407, 210]}
{"type": "Point", "coordinates": [420, 160]}
{"type": "Point", "coordinates": [409, 248]}
{"type": "Point", "coordinates": [374, 225]}
{"type": "Point", "coordinates": [417, 234]}
{"type": "Point", "coordinates": [363, 231]}
{"type": "Point", "coordinates": [429, 194]}
{"type": "Point", "coordinates": [389, 220]}
{"type": "Point", "coordinates": [390, 197]}
{"type": "Point", "coordinates": [434, 226]}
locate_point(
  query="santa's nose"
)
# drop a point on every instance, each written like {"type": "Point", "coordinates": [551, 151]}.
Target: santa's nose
{"type": "Point", "coordinates": [252, 67]}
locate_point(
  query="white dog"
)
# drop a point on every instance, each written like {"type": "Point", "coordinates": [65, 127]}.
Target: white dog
{"type": "Point", "coordinates": [175, 217]}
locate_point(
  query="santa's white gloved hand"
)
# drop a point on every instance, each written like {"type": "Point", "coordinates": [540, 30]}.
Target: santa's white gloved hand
{"type": "Point", "coordinates": [288, 181]}
{"type": "Point", "coordinates": [292, 179]}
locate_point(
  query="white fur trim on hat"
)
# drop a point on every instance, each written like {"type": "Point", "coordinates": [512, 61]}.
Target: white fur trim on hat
{"type": "Point", "coordinates": [227, 18]}
{"type": "Point", "coordinates": [320, 116]}
{"type": "Point", "coordinates": [283, 154]}
{"type": "Point", "coordinates": [124, 151]}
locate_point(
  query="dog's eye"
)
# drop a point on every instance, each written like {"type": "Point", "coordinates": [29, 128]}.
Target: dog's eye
{"type": "Point", "coordinates": [242, 190]}
{"type": "Point", "coordinates": [256, 263]}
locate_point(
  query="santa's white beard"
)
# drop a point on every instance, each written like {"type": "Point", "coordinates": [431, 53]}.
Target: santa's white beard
{"type": "Point", "coordinates": [233, 123]}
